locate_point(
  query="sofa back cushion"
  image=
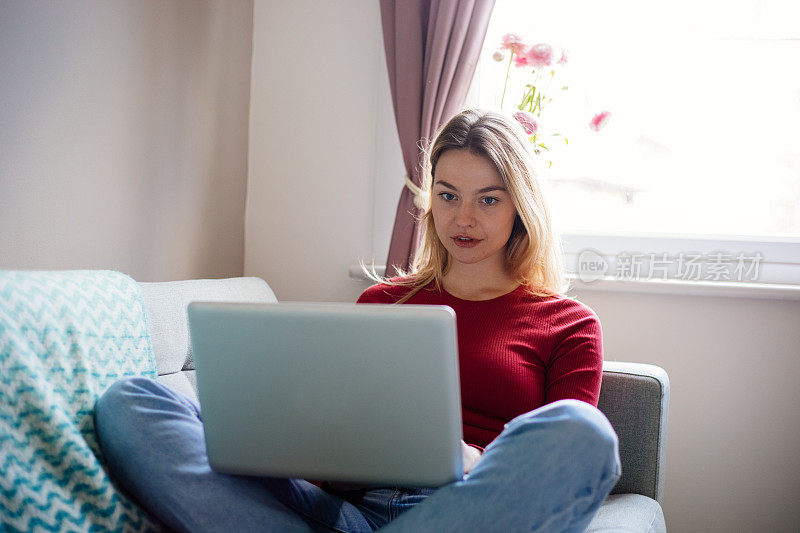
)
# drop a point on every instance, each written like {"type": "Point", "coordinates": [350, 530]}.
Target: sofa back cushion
{"type": "Point", "coordinates": [169, 328]}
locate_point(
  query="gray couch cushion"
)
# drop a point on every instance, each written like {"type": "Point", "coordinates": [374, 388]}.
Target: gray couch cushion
{"type": "Point", "coordinates": [166, 312]}
{"type": "Point", "coordinates": [628, 512]}
{"type": "Point", "coordinates": [635, 398]}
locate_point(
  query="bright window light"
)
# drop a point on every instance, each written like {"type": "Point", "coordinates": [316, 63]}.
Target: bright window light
{"type": "Point", "coordinates": [704, 96]}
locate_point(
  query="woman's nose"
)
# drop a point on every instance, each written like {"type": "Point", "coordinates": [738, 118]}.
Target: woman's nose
{"type": "Point", "coordinates": [465, 216]}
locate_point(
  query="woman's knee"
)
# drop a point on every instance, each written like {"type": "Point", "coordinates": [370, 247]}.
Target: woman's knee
{"type": "Point", "coordinates": [572, 423]}
{"type": "Point", "coordinates": [126, 401]}
{"type": "Point", "coordinates": [121, 396]}
{"type": "Point", "coordinates": [585, 419]}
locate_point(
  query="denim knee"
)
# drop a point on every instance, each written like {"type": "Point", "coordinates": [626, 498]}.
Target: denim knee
{"type": "Point", "coordinates": [114, 396]}
{"type": "Point", "coordinates": [119, 408]}
{"type": "Point", "coordinates": [120, 396]}
{"type": "Point", "coordinates": [575, 421]}
{"type": "Point", "coordinates": [585, 419]}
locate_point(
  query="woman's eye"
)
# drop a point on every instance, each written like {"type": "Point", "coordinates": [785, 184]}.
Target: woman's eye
{"type": "Point", "coordinates": [489, 200]}
{"type": "Point", "coordinates": [447, 196]}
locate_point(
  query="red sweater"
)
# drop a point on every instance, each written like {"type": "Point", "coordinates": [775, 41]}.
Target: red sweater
{"type": "Point", "coordinates": [517, 352]}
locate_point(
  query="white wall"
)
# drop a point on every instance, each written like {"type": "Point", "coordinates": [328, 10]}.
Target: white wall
{"type": "Point", "coordinates": [318, 83]}
{"type": "Point", "coordinates": [733, 429]}
{"type": "Point", "coordinates": [123, 136]}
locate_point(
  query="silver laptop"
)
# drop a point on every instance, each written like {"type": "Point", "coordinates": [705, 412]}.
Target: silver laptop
{"type": "Point", "coordinates": [337, 392]}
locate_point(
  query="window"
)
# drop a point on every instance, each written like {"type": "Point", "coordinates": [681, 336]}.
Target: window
{"type": "Point", "coordinates": [701, 155]}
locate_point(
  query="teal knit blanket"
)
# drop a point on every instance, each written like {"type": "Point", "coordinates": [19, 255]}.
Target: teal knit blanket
{"type": "Point", "coordinates": [64, 338]}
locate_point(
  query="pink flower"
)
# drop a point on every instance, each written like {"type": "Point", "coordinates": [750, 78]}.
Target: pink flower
{"type": "Point", "coordinates": [540, 55]}
{"type": "Point", "coordinates": [564, 58]}
{"type": "Point", "coordinates": [520, 61]}
{"type": "Point", "coordinates": [527, 121]}
{"type": "Point", "coordinates": [513, 42]}
{"type": "Point", "coordinates": [600, 120]}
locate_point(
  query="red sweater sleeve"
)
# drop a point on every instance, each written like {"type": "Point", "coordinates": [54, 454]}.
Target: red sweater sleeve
{"type": "Point", "coordinates": [575, 368]}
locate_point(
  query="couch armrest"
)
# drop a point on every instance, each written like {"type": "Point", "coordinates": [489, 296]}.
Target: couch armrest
{"type": "Point", "coordinates": [635, 398]}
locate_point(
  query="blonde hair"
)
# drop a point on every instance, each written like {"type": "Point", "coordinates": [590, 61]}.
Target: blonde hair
{"type": "Point", "coordinates": [534, 253]}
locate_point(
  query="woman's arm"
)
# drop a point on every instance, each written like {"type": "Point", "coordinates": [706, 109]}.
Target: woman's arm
{"type": "Point", "coordinates": [575, 368]}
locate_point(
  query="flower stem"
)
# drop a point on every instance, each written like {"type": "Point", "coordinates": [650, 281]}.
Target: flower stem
{"type": "Point", "coordinates": [508, 70]}
{"type": "Point", "coordinates": [547, 88]}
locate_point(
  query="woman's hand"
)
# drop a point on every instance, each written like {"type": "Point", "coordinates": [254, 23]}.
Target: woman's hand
{"type": "Point", "coordinates": [471, 456]}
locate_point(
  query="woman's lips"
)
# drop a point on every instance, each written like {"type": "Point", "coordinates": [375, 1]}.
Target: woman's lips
{"type": "Point", "coordinates": [464, 243]}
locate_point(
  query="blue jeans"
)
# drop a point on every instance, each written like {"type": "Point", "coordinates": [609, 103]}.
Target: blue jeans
{"type": "Point", "coordinates": [548, 471]}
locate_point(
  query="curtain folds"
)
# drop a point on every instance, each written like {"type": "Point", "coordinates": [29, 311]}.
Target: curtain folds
{"type": "Point", "coordinates": [432, 49]}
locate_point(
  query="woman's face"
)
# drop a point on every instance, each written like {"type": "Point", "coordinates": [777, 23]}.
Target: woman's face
{"type": "Point", "coordinates": [472, 211]}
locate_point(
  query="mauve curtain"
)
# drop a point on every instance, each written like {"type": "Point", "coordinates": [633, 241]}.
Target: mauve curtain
{"type": "Point", "coordinates": [432, 48]}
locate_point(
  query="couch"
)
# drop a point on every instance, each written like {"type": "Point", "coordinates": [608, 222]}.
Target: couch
{"type": "Point", "coordinates": [634, 397]}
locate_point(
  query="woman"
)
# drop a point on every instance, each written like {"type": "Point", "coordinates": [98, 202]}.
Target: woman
{"type": "Point", "coordinates": [538, 455]}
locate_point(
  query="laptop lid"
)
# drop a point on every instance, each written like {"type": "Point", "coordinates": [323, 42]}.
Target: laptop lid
{"type": "Point", "coordinates": [338, 392]}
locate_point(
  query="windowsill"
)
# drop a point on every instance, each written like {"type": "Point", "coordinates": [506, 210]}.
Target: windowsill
{"type": "Point", "coordinates": [676, 287]}
{"type": "Point", "coordinates": [772, 291]}
{"type": "Point", "coordinates": [777, 259]}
